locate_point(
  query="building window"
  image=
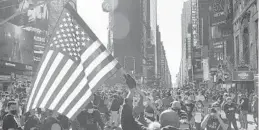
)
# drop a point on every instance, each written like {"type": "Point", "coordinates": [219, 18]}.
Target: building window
{"type": "Point", "coordinates": [246, 52]}
{"type": "Point", "coordinates": [237, 49]}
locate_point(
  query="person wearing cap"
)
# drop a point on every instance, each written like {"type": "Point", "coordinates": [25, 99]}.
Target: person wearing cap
{"type": "Point", "coordinates": [213, 120]}
{"type": "Point", "coordinates": [230, 110]}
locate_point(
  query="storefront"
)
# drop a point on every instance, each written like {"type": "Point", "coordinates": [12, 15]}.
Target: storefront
{"type": "Point", "coordinates": [244, 81]}
{"type": "Point", "coordinates": [13, 72]}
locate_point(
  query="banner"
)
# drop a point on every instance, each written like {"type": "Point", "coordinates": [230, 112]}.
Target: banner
{"type": "Point", "coordinates": [243, 76]}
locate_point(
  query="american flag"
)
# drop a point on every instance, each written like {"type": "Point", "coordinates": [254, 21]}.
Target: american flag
{"type": "Point", "coordinates": [74, 65]}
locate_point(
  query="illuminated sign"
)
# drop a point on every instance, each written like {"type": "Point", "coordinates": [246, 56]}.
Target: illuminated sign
{"type": "Point", "coordinates": [219, 14]}
{"type": "Point", "coordinates": [195, 23]}
{"type": "Point", "coordinates": [243, 76]}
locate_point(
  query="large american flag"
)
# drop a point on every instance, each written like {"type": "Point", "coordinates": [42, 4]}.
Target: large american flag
{"type": "Point", "coordinates": [73, 66]}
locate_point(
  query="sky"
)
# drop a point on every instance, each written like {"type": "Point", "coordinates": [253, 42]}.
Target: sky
{"type": "Point", "coordinates": [168, 18]}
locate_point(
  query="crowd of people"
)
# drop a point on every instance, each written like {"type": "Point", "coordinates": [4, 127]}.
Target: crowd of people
{"type": "Point", "coordinates": [138, 108]}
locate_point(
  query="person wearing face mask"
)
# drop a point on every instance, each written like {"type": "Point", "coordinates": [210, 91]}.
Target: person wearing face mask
{"type": "Point", "coordinates": [10, 122]}
{"type": "Point", "coordinates": [230, 109]}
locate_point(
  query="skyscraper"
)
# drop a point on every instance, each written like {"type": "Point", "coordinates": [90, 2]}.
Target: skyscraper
{"type": "Point", "coordinates": [186, 42]}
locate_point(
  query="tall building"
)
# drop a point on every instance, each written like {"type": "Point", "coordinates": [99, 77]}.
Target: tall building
{"type": "Point", "coordinates": [153, 27]}
{"type": "Point", "coordinates": [245, 24]}
{"type": "Point", "coordinates": [163, 78]}
{"type": "Point", "coordinates": [204, 19]}
{"type": "Point", "coordinates": [150, 64]}
{"type": "Point", "coordinates": [127, 30]}
{"type": "Point", "coordinates": [186, 43]}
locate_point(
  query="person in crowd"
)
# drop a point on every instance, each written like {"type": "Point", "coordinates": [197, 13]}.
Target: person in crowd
{"type": "Point", "coordinates": [230, 109]}
{"type": "Point", "coordinates": [33, 122]}
{"type": "Point", "coordinates": [128, 122]}
{"type": "Point", "coordinates": [200, 97]}
{"type": "Point", "coordinates": [51, 122]}
{"type": "Point", "coordinates": [64, 122]}
{"type": "Point", "coordinates": [189, 107]}
{"type": "Point", "coordinates": [139, 108]}
{"type": "Point", "coordinates": [255, 109]}
{"type": "Point", "coordinates": [90, 118]}
{"type": "Point", "coordinates": [198, 114]}
{"type": "Point", "coordinates": [9, 121]}
{"type": "Point", "coordinates": [115, 113]}
{"type": "Point", "coordinates": [103, 106]}
{"type": "Point", "coordinates": [213, 121]}
{"type": "Point", "coordinates": [244, 106]}
{"type": "Point", "coordinates": [182, 114]}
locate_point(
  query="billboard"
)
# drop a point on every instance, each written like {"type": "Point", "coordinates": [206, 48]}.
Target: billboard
{"type": "Point", "coordinates": [217, 53]}
{"type": "Point", "coordinates": [16, 44]}
{"type": "Point", "coordinates": [34, 21]}
{"type": "Point", "coordinates": [37, 21]}
{"type": "Point", "coordinates": [195, 23]}
{"type": "Point", "coordinates": [219, 15]}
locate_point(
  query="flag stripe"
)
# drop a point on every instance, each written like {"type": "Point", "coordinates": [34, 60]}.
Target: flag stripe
{"type": "Point", "coordinates": [60, 86]}
{"type": "Point", "coordinates": [77, 92]}
{"type": "Point", "coordinates": [89, 51]}
{"type": "Point", "coordinates": [94, 55]}
{"type": "Point", "coordinates": [57, 70]}
{"type": "Point", "coordinates": [96, 62]}
{"type": "Point", "coordinates": [70, 90]}
{"type": "Point", "coordinates": [40, 72]}
{"type": "Point", "coordinates": [47, 77]}
{"type": "Point", "coordinates": [57, 81]}
{"type": "Point", "coordinates": [106, 72]}
{"type": "Point", "coordinates": [87, 54]}
{"type": "Point", "coordinates": [66, 86]}
{"type": "Point", "coordinates": [82, 84]}
{"type": "Point", "coordinates": [98, 68]}
{"type": "Point", "coordinates": [77, 98]}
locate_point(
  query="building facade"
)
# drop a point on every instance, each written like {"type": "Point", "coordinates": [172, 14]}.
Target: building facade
{"type": "Point", "coordinates": [245, 24]}
{"type": "Point", "coordinates": [186, 63]}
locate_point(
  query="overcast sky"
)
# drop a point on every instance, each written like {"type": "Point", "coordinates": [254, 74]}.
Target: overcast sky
{"type": "Point", "coordinates": [169, 20]}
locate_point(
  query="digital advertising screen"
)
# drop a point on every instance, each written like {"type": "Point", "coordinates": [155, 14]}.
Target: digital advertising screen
{"type": "Point", "coordinates": [16, 44]}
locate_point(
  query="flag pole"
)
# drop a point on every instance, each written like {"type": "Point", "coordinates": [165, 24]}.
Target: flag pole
{"type": "Point", "coordinates": [24, 11]}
